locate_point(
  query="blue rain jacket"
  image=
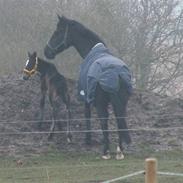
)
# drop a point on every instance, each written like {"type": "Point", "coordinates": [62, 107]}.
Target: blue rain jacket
{"type": "Point", "coordinates": [101, 67]}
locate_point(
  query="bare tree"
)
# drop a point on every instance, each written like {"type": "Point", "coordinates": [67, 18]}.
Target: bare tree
{"type": "Point", "coordinates": [148, 35]}
{"type": "Point", "coordinates": [158, 43]}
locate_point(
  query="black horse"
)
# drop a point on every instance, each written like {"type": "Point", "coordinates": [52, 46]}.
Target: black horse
{"type": "Point", "coordinates": [111, 84]}
{"type": "Point", "coordinates": [53, 82]}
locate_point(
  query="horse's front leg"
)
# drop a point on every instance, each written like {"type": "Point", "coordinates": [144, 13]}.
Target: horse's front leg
{"type": "Point", "coordinates": [88, 124]}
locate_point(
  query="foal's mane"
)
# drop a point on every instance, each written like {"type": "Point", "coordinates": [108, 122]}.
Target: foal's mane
{"type": "Point", "coordinates": [47, 65]}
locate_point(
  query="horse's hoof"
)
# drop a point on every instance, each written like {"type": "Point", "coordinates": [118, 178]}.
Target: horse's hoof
{"type": "Point", "coordinates": [39, 127]}
{"type": "Point", "coordinates": [119, 156]}
{"type": "Point", "coordinates": [106, 157]}
{"type": "Point", "coordinates": [50, 137]}
{"type": "Point", "coordinates": [88, 142]}
{"type": "Point", "coordinates": [69, 140]}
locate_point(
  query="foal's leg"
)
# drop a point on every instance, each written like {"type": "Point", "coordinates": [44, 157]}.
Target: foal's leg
{"type": "Point", "coordinates": [66, 100]}
{"type": "Point", "coordinates": [54, 115]}
{"type": "Point", "coordinates": [88, 123]}
{"type": "Point", "coordinates": [42, 104]}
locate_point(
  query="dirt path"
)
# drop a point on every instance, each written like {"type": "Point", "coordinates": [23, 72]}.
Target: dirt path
{"type": "Point", "coordinates": [20, 104]}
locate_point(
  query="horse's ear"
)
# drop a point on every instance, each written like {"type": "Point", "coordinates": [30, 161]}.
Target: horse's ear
{"type": "Point", "coordinates": [59, 17]}
{"type": "Point", "coordinates": [62, 18]}
{"type": "Point", "coordinates": [65, 19]}
{"type": "Point", "coordinates": [35, 54]}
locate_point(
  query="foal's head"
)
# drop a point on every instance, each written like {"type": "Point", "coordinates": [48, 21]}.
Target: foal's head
{"type": "Point", "coordinates": [31, 65]}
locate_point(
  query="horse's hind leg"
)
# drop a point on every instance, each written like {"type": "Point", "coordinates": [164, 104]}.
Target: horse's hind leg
{"type": "Point", "coordinates": [119, 105]}
{"type": "Point", "coordinates": [101, 103]}
{"type": "Point", "coordinates": [103, 115]}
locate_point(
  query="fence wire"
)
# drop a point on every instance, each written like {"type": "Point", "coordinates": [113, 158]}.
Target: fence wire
{"type": "Point", "coordinates": [156, 116]}
{"type": "Point", "coordinates": [124, 177]}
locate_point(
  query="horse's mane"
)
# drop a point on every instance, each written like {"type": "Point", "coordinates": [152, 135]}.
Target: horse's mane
{"type": "Point", "coordinates": [85, 31]}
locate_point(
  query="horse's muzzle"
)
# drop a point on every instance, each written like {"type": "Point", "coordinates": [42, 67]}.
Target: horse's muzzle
{"type": "Point", "coordinates": [25, 76]}
{"type": "Point", "coordinates": [49, 53]}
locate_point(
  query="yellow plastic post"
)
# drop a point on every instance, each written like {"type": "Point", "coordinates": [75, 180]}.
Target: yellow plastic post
{"type": "Point", "coordinates": [151, 170]}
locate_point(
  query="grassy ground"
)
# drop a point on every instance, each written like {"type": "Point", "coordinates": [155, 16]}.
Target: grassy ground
{"type": "Point", "coordinates": [67, 167]}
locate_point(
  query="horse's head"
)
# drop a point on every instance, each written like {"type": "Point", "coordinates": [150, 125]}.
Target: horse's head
{"type": "Point", "coordinates": [59, 40]}
{"type": "Point", "coordinates": [31, 65]}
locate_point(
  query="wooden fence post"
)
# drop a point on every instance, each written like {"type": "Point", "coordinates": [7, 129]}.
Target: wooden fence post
{"type": "Point", "coordinates": [151, 170]}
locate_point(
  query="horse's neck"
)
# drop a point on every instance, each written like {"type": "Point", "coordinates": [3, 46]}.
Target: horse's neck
{"type": "Point", "coordinates": [45, 68]}
{"type": "Point", "coordinates": [83, 49]}
{"type": "Point", "coordinates": [84, 44]}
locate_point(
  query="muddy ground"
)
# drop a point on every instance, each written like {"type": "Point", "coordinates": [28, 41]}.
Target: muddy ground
{"type": "Point", "coordinates": [19, 114]}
